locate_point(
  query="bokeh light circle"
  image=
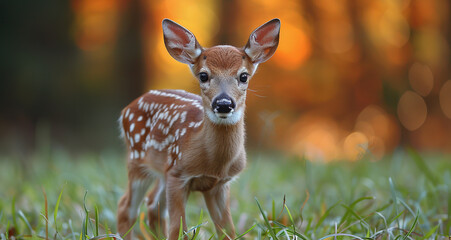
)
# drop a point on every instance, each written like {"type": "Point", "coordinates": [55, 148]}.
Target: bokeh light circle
{"type": "Point", "coordinates": [355, 146]}
{"type": "Point", "coordinates": [421, 78]}
{"type": "Point", "coordinates": [445, 98]}
{"type": "Point", "coordinates": [412, 110]}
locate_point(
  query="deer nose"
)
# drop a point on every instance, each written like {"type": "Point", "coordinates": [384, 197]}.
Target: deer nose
{"type": "Point", "coordinates": [223, 104]}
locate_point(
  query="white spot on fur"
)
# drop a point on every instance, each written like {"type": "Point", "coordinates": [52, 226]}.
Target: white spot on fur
{"type": "Point", "coordinates": [183, 117]}
{"type": "Point", "coordinates": [194, 124]}
{"type": "Point", "coordinates": [131, 117]}
{"type": "Point", "coordinates": [140, 118]}
{"type": "Point", "coordinates": [137, 137]}
{"type": "Point", "coordinates": [177, 97]}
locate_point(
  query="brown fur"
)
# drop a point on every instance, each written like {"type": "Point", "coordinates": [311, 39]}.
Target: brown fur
{"type": "Point", "coordinates": [176, 138]}
{"type": "Point", "coordinates": [222, 58]}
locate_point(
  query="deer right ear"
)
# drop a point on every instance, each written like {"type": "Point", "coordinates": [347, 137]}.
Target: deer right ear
{"type": "Point", "coordinates": [263, 41]}
{"type": "Point", "coordinates": [180, 43]}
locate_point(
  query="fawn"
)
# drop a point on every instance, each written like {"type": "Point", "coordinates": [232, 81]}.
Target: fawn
{"type": "Point", "coordinates": [185, 142]}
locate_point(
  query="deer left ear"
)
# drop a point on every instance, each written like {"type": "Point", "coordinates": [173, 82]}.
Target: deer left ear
{"type": "Point", "coordinates": [263, 41]}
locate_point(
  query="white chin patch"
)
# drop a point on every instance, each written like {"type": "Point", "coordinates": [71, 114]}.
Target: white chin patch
{"type": "Point", "coordinates": [225, 118]}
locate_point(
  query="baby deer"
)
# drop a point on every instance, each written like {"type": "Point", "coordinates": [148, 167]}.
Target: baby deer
{"type": "Point", "coordinates": [185, 142]}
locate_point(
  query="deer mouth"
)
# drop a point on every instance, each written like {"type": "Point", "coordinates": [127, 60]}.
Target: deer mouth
{"type": "Point", "coordinates": [230, 118]}
{"type": "Point", "coordinates": [224, 115]}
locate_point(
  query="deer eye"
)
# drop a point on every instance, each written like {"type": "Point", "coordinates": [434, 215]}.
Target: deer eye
{"type": "Point", "coordinates": [244, 77]}
{"type": "Point", "coordinates": [203, 76]}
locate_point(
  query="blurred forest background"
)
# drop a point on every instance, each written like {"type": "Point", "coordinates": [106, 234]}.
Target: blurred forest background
{"type": "Point", "coordinates": [348, 76]}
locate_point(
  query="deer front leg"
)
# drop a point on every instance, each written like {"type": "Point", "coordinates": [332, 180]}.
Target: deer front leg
{"type": "Point", "coordinates": [218, 204]}
{"type": "Point", "coordinates": [176, 195]}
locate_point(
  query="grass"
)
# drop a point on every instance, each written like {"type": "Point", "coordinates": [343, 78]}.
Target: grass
{"type": "Point", "coordinates": [54, 195]}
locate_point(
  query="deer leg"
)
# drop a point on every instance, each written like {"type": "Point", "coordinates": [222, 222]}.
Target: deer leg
{"type": "Point", "coordinates": [218, 204]}
{"type": "Point", "coordinates": [128, 207]}
{"type": "Point", "coordinates": [176, 195]}
{"type": "Point", "coordinates": [157, 209]}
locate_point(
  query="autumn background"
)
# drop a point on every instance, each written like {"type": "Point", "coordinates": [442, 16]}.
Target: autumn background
{"type": "Point", "coordinates": [349, 80]}
{"type": "Point", "coordinates": [371, 73]}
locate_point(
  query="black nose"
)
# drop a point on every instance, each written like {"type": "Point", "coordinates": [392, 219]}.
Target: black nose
{"type": "Point", "coordinates": [223, 104]}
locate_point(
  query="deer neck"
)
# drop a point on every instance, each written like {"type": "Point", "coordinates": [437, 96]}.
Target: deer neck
{"type": "Point", "coordinates": [223, 143]}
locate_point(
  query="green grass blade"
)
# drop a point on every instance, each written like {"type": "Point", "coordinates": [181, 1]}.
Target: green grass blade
{"type": "Point", "coordinates": [97, 220]}
{"type": "Point", "coordinates": [25, 220]}
{"type": "Point", "coordinates": [86, 226]}
{"type": "Point", "coordinates": [383, 218]}
{"type": "Point", "coordinates": [309, 225]}
{"type": "Point", "coordinates": [432, 231]}
{"type": "Point", "coordinates": [46, 214]}
{"type": "Point", "coordinates": [321, 220]}
{"type": "Point", "coordinates": [181, 228]}
{"type": "Point", "coordinates": [413, 226]}
{"type": "Point", "coordinates": [395, 198]}
{"type": "Point", "coordinates": [199, 223]}
{"type": "Point", "coordinates": [396, 217]}
{"type": "Point", "coordinates": [299, 235]}
{"type": "Point", "coordinates": [351, 211]}
{"type": "Point", "coordinates": [224, 234]}
{"type": "Point", "coordinates": [406, 206]}
{"type": "Point", "coordinates": [339, 235]}
{"type": "Point", "coordinates": [150, 231]}
{"type": "Point", "coordinates": [350, 208]}
{"type": "Point", "coordinates": [270, 229]}
{"type": "Point", "coordinates": [246, 232]}
{"type": "Point", "coordinates": [131, 228]}
{"type": "Point", "coordinates": [55, 213]}
{"type": "Point", "coordinates": [289, 215]}
{"type": "Point", "coordinates": [274, 210]}
{"type": "Point", "coordinates": [288, 230]}
{"type": "Point", "coordinates": [294, 232]}
{"type": "Point", "coordinates": [278, 224]}
{"type": "Point", "coordinates": [212, 236]}
{"type": "Point", "coordinates": [106, 236]}
{"type": "Point", "coordinates": [13, 213]}
{"type": "Point", "coordinates": [384, 207]}
{"type": "Point", "coordinates": [84, 229]}
{"type": "Point", "coordinates": [7, 232]}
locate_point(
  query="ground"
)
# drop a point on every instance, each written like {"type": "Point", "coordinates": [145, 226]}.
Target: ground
{"type": "Point", "coordinates": [277, 197]}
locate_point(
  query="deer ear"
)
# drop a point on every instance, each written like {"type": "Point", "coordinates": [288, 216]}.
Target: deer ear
{"type": "Point", "coordinates": [263, 41]}
{"type": "Point", "coordinates": [180, 43]}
